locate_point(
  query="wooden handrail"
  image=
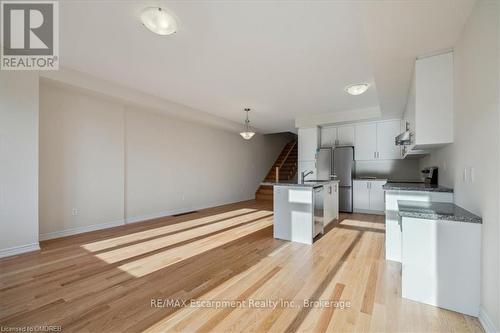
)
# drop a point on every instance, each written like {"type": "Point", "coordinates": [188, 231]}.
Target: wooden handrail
{"type": "Point", "coordinates": [287, 154]}
{"type": "Point", "coordinates": [278, 167]}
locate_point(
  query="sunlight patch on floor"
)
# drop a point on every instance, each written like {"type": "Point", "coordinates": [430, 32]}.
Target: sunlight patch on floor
{"type": "Point", "coordinates": [158, 261]}
{"type": "Point", "coordinates": [363, 224]}
{"type": "Point", "coordinates": [158, 243]}
{"type": "Point", "coordinates": [181, 225]}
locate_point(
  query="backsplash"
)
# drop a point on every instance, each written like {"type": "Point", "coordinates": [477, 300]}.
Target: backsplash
{"type": "Point", "coordinates": [391, 169]}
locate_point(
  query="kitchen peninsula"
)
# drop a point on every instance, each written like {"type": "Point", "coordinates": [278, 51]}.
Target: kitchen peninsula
{"type": "Point", "coordinates": [301, 211]}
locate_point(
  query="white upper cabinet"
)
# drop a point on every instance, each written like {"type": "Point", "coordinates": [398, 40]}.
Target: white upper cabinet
{"type": "Point", "coordinates": [371, 140]}
{"type": "Point", "coordinates": [386, 145]}
{"type": "Point", "coordinates": [308, 143]}
{"type": "Point", "coordinates": [345, 135]}
{"type": "Point", "coordinates": [332, 136]}
{"type": "Point", "coordinates": [366, 142]}
{"type": "Point", "coordinates": [328, 136]}
{"type": "Point", "coordinates": [375, 141]}
{"type": "Point", "coordinates": [429, 109]}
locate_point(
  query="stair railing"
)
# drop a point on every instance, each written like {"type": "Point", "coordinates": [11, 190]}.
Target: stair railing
{"type": "Point", "coordinates": [278, 167]}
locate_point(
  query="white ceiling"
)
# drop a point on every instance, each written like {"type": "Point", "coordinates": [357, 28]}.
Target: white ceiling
{"type": "Point", "coordinates": [284, 59]}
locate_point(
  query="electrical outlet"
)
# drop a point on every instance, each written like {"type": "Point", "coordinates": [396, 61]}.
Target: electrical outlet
{"type": "Point", "coordinates": [74, 211]}
{"type": "Point", "coordinates": [444, 166]}
{"type": "Point", "coordinates": [183, 197]}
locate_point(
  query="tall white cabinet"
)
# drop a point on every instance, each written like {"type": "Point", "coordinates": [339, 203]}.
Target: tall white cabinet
{"type": "Point", "coordinates": [429, 109]}
{"type": "Point", "coordinates": [308, 143]}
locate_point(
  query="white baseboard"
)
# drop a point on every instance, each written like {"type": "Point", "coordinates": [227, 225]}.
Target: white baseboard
{"type": "Point", "coordinates": [79, 230]}
{"type": "Point", "coordinates": [12, 251]}
{"type": "Point", "coordinates": [165, 213]}
{"type": "Point", "coordinates": [485, 320]}
{"type": "Point", "coordinates": [157, 215]}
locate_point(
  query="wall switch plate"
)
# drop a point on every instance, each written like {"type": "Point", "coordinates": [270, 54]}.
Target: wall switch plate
{"type": "Point", "coordinates": [472, 175]}
{"type": "Point", "coordinates": [464, 175]}
{"type": "Point", "coordinates": [74, 211]}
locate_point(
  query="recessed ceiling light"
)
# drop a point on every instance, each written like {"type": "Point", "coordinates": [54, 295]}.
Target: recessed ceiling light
{"type": "Point", "coordinates": [159, 21]}
{"type": "Point", "coordinates": [356, 89]}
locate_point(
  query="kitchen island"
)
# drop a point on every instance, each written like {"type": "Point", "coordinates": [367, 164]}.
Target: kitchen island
{"type": "Point", "coordinates": [441, 255]}
{"type": "Point", "coordinates": [301, 211]}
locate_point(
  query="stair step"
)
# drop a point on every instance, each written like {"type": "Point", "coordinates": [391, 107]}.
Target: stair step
{"type": "Point", "coordinates": [268, 197]}
{"type": "Point", "coordinates": [287, 160]}
{"type": "Point", "coordinates": [265, 191]}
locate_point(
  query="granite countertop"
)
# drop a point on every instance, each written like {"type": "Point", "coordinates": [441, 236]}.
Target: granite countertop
{"type": "Point", "coordinates": [316, 183]}
{"type": "Point", "coordinates": [416, 187]}
{"type": "Point", "coordinates": [436, 211]}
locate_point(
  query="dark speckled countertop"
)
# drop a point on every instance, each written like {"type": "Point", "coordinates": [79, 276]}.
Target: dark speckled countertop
{"type": "Point", "coordinates": [436, 211]}
{"type": "Point", "coordinates": [404, 186]}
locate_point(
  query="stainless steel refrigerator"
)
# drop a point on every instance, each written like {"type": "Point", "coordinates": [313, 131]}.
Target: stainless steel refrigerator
{"type": "Point", "coordinates": [343, 170]}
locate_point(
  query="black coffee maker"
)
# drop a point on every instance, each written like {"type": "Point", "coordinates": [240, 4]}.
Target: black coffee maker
{"type": "Point", "coordinates": [430, 175]}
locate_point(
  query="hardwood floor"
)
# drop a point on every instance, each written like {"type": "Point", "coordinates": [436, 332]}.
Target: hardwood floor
{"type": "Point", "coordinates": [121, 279]}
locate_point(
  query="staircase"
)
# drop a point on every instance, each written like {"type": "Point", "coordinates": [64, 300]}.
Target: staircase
{"type": "Point", "coordinates": [285, 168]}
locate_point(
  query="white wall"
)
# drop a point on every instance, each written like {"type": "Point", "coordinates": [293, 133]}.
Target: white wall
{"type": "Point", "coordinates": [175, 165]}
{"type": "Point", "coordinates": [81, 161]}
{"type": "Point", "coordinates": [476, 144]}
{"type": "Point", "coordinates": [18, 162]}
{"type": "Point", "coordinates": [114, 161]}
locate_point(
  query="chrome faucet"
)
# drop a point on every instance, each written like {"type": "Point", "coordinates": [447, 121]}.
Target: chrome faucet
{"type": "Point", "coordinates": [304, 174]}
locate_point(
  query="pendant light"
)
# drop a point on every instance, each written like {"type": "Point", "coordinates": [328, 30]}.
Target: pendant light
{"type": "Point", "coordinates": [247, 133]}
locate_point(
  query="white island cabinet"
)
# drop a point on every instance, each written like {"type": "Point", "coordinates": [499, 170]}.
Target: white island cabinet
{"type": "Point", "coordinates": [301, 211]}
{"type": "Point", "coordinates": [441, 256]}
{"type": "Point", "coordinates": [406, 191]}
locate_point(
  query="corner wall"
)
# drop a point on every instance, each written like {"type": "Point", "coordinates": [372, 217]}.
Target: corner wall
{"type": "Point", "coordinates": [18, 162]}
{"type": "Point", "coordinates": [476, 147]}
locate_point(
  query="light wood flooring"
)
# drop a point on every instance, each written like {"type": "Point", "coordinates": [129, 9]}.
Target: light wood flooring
{"type": "Point", "coordinates": [111, 280]}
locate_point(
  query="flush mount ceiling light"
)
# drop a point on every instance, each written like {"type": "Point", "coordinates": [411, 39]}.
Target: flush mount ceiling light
{"type": "Point", "coordinates": [159, 21]}
{"type": "Point", "coordinates": [356, 89]}
{"type": "Point", "coordinates": [247, 133]}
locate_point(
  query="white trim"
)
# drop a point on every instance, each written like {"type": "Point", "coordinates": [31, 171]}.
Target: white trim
{"type": "Point", "coordinates": [12, 251]}
{"type": "Point", "coordinates": [79, 230]}
{"type": "Point", "coordinates": [486, 322]}
{"type": "Point", "coordinates": [165, 213]}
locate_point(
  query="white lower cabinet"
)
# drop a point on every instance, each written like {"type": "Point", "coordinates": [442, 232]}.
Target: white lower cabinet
{"type": "Point", "coordinates": [441, 263]}
{"type": "Point", "coordinates": [368, 196]}
{"type": "Point", "coordinates": [331, 202]}
{"type": "Point", "coordinates": [392, 219]}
